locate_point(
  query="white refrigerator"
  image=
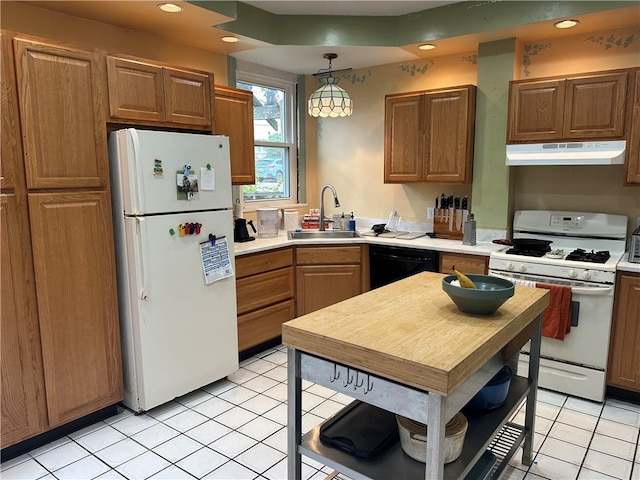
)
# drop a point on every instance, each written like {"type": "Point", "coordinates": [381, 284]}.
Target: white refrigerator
{"type": "Point", "coordinates": [173, 226]}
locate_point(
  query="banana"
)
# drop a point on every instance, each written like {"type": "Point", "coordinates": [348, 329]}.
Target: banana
{"type": "Point", "coordinates": [465, 282]}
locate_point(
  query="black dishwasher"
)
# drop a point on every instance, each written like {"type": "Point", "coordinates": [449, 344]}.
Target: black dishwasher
{"type": "Point", "coordinates": [388, 264]}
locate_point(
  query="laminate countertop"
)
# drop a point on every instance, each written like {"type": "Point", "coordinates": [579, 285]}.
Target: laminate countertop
{"type": "Point", "coordinates": [425, 243]}
{"type": "Point", "coordinates": [411, 332]}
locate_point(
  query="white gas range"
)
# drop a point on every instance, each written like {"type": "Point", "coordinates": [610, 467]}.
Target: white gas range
{"type": "Point", "coordinates": [579, 250]}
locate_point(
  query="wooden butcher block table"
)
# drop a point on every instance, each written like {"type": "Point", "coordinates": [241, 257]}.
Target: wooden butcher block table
{"type": "Point", "coordinates": [406, 348]}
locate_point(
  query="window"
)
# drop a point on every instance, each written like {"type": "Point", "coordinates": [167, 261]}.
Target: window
{"type": "Point", "coordinates": [274, 140]}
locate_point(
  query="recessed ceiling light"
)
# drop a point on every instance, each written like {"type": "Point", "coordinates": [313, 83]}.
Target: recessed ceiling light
{"type": "Point", "coordinates": [566, 23]}
{"type": "Point", "coordinates": [427, 46]}
{"type": "Point", "coordinates": [170, 7]}
{"type": "Point", "coordinates": [230, 39]}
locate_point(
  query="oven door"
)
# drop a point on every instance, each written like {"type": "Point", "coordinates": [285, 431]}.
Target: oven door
{"type": "Point", "coordinates": [575, 365]}
{"type": "Point", "coordinates": [588, 340]}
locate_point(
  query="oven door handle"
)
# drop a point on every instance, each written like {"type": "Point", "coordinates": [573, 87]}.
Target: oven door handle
{"type": "Point", "coordinates": [592, 291]}
{"type": "Point", "coordinates": [595, 291]}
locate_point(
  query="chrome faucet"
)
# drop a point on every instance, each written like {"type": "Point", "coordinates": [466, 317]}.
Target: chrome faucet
{"type": "Point", "coordinates": [335, 199]}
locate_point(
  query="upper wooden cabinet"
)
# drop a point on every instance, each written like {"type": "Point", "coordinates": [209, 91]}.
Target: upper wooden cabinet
{"type": "Point", "coordinates": [234, 118]}
{"type": "Point", "coordinates": [429, 136]}
{"type": "Point", "coordinates": [633, 144]}
{"type": "Point", "coordinates": [10, 144]}
{"type": "Point", "coordinates": [62, 115]}
{"type": "Point", "coordinates": [150, 92]}
{"type": "Point", "coordinates": [590, 106]}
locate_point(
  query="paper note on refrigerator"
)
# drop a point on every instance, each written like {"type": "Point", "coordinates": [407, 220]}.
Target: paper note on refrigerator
{"type": "Point", "coordinates": [207, 179]}
{"type": "Point", "coordinates": [216, 263]}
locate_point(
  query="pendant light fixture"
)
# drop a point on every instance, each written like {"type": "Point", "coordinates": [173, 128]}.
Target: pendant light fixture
{"type": "Point", "coordinates": [329, 100]}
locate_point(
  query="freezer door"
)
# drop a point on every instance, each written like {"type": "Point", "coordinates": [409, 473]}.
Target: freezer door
{"type": "Point", "coordinates": [181, 332]}
{"type": "Point", "coordinates": [148, 170]}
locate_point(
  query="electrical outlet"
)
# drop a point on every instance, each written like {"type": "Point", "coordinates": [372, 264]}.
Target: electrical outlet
{"type": "Point", "coordinates": [430, 213]}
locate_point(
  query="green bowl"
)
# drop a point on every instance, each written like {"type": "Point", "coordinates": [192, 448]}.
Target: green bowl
{"type": "Point", "coordinates": [485, 299]}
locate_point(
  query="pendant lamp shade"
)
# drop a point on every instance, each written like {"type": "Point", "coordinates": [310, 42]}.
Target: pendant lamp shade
{"type": "Point", "coordinates": [330, 100]}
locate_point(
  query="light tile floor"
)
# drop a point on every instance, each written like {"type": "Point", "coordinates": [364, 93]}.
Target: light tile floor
{"type": "Point", "coordinates": [236, 429]}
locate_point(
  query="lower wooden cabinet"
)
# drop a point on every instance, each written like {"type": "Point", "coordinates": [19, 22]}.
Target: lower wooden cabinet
{"type": "Point", "coordinates": [264, 292]}
{"type": "Point", "coordinates": [623, 369]}
{"type": "Point", "coordinates": [632, 162]}
{"type": "Point", "coordinates": [60, 334]}
{"type": "Point", "coordinates": [74, 262]}
{"type": "Point", "coordinates": [328, 275]}
{"type": "Point", "coordinates": [23, 398]}
{"type": "Point", "coordinates": [464, 263]}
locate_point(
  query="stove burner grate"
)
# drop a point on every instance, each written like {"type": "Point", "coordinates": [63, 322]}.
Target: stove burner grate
{"type": "Point", "coordinates": [581, 255]}
{"type": "Point", "coordinates": [526, 252]}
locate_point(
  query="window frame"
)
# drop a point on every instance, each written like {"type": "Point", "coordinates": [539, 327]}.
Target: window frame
{"type": "Point", "coordinates": [290, 129]}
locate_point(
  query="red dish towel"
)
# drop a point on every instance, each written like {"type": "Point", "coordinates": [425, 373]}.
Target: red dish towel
{"type": "Point", "coordinates": [556, 320]}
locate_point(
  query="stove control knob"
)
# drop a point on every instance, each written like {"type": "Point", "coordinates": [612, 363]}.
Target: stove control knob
{"type": "Point", "coordinates": [586, 275]}
{"type": "Point", "coordinates": [509, 266]}
{"type": "Point", "coordinates": [522, 267]}
{"type": "Point", "coordinates": [573, 273]}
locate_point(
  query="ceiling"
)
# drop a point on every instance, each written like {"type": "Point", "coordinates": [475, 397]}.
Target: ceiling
{"type": "Point", "coordinates": [358, 7]}
{"type": "Point", "coordinates": [203, 28]}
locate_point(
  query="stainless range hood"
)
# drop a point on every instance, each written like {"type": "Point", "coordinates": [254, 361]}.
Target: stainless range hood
{"type": "Point", "coordinates": [567, 153]}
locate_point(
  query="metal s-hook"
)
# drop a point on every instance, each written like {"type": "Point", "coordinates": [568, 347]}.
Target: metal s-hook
{"type": "Point", "coordinates": [349, 379]}
{"type": "Point", "coordinates": [369, 386]}
{"type": "Point", "coordinates": [336, 373]}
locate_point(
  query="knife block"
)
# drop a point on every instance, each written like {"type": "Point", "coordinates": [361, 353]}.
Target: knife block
{"type": "Point", "coordinates": [449, 223]}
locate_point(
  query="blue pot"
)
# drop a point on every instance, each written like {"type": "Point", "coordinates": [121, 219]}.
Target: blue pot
{"type": "Point", "coordinates": [494, 393]}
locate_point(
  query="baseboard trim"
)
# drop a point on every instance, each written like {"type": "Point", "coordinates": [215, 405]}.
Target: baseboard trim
{"type": "Point", "coordinates": [55, 433]}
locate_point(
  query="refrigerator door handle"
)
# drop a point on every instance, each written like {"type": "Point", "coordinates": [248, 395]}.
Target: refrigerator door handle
{"type": "Point", "coordinates": [137, 171]}
{"type": "Point", "coordinates": [142, 255]}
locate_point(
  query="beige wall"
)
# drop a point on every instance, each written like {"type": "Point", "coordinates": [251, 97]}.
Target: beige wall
{"type": "Point", "coordinates": [85, 33]}
{"type": "Point", "coordinates": [349, 151]}
{"type": "Point", "coordinates": [586, 188]}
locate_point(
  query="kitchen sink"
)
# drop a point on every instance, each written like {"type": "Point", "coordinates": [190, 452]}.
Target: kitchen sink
{"type": "Point", "coordinates": [316, 234]}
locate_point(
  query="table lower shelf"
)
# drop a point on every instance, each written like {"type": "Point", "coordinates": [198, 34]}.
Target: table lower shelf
{"type": "Point", "coordinates": [485, 429]}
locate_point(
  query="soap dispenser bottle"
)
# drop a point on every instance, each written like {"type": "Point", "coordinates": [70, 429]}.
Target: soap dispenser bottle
{"type": "Point", "coordinates": [469, 231]}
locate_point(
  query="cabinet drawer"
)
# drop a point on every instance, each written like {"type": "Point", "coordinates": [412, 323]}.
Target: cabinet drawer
{"type": "Point", "coordinates": [263, 262]}
{"type": "Point", "coordinates": [464, 263]}
{"type": "Point", "coordinates": [264, 324]}
{"type": "Point", "coordinates": [369, 388]}
{"type": "Point", "coordinates": [327, 255]}
{"type": "Point", "coordinates": [264, 289]}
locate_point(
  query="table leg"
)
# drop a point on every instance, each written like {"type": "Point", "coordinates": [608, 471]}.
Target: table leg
{"type": "Point", "coordinates": [294, 414]}
{"type": "Point", "coordinates": [530, 414]}
{"type": "Point", "coordinates": [434, 468]}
